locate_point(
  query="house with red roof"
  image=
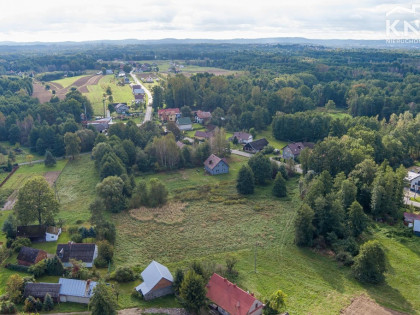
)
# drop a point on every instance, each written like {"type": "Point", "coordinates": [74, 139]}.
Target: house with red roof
{"type": "Point", "coordinates": [169, 114]}
{"type": "Point", "coordinates": [230, 299]}
{"type": "Point", "coordinates": [202, 117]}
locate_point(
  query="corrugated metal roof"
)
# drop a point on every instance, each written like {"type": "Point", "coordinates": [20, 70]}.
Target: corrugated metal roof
{"type": "Point", "coordinates": [152, 275]}
{"type": "Point", "coordinates": [76, 287]}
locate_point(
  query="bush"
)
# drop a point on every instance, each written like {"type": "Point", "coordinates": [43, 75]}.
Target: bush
{"type": "Point", "coordinates": [32, 304]}
{"type": "Point", "coordinates": [279, 188]}
{"type": "Point", "coordinates": [19, 268]}
{"type": "Point", "coordinates": [268, 149]}
{"type": "Point", "coordinates": [124, 274]}
{"type": "Point", "coordinates": [54, 266]}
{"type": "Point", "coordinates": [48, 303]}
{"type": "Point", "coordinates": [345, 258]}
{"type": "Point", "coordinates": [100, 262]}
{"type": "Point", "coordinates": [8, 308]}
{"type": "Point", "coordinates": [19, 243]}
{"type": "Point", "coordinates": [136, 294]}
{"type": "Point", "coordinates": [38, 269]}
{"type": "Point", "coordinates": [77, 238]}
{"type": "Point", "coordinates": [105, 251]}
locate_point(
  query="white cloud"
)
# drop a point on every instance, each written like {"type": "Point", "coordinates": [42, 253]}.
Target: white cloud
{"type": "Point", "coordinates": [77, 20]}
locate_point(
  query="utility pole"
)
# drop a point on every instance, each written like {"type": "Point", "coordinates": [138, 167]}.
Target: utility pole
{"type": "Point", "coordinates": [255, 257]}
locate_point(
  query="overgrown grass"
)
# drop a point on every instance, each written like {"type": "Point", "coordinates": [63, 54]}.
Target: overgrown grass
{"type": "Point", "coordinates": [121, 94]}
{"type": "Point", "coordinates": [66, 82]}
{"type": "Point", "coordinates": [21, 157]}
{"type": "Point", "coordinates": [268, 134]}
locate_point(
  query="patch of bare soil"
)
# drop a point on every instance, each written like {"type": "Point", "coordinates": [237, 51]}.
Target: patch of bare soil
{"type": "Point", "coordinates": [41, 93]}
{"type": "Point", "coordinates": [137, 311]}
{"type": "Point", "coordinates": [169, 214]}
{"type": "Point", "coordinates": [52, 176]}
{"type": "Point", "coordinates": [10, 203]}
{"type": "Point", "coordinates": [363, 305]}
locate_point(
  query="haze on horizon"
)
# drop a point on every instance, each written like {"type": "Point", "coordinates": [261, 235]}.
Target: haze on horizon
{"type": "Point", "coordinates": [77, 20]}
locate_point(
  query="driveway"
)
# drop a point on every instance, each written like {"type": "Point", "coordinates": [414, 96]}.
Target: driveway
{"type": "Point", "coordinates": [148, 115]}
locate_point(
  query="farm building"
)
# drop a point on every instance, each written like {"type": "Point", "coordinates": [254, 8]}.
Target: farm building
{"type": "Point", "coordinates": [255, 146]}
{"type": "Point", "coordinates": [215, 165]}
{"type": "Point", "coordinates": [39, 233]}
{"type": "Point", "coordinates": [169, 114]}
{"type": "Point", "coordinates": [30, 256]}
{"type": "Point", "coordinates": [157, 281]}
{"type": "Point", "coordinates": [38, 290]}
{"type": "Point", "coordinates": [202, 117]}
{"type": "Point", "coordinates": [242, 137]}
{"type": "Point", "coordinates": [83, 252]}
{"type": "Point", "coordinates": [414, 180]}
{"type": "Point", "coordinates": [78, 291]}
{"type": "Point", "coordinates": [230, 299]}
{"type": "Point", "coordinates": [292, 150]}
{"type": "Point", "coordinates": [184, 123]}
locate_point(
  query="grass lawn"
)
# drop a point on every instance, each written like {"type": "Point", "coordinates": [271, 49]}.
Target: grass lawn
{"type": "Point", "coordinates": [21, 157]}
{"type": "Point", "coordinates": [121, 94]}
{"type": "Point", "coordinates": [25, 172]}
{"type": "Point", "coordinates": [66, 82]}
{"type": "Point", "coordinates": [268, 134]}
{"type": "Point", "coordinates": [415, 199]}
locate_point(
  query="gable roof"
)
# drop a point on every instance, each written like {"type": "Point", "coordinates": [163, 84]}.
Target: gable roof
{"type": "Point", "coordinates": [241, 135]}
{"type": "Point", "coordinates": [184, 121]}
{"type": "Point", "coordinates": [168, 111]}
{"type": "Point", "coordinates": [29, 254]}
{"type": "Point", "coordinates": [410, 217]}
{"type": "Point", "coordinates": [139, 96]}
{"type": "Point", "coordinates": [203, 134]}
{"type": "Point", "coordinates": [258, 144]}
{"type": "Point", "coordinates": [152, 275]}
{"type": "Point", "coordinates": [77, 251]}
{"type": "Point", "coordinates": [53, 230]}
{"type": "Point", "coordinates": [136, 86]}
{"type": "Point", "coordinates": [412, 175]}
{"type": "Point", "coordinates": [38, 290]}
{"type": "Point", "coordinates": [297, 147]}
{"type": "Point", "coordinates": [76, 287]}
{"type": "Point", "coordinates": [203, 115]}
{"type": "Point", "coordinates": [229, 296]}
{"type": "Point", "coordinates": [214, 160]}
{"type": "Point", "coordinates": [120, 105]}
{"type": "Point", "coordinates": [31, 231]}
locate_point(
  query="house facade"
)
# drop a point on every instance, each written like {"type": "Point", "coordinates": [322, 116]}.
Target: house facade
{"type": "Point", "coordinates": [414, 180]}
{"type": "Point", "coordinates": [84, 252]}
{"type": "Point", "coordinates": [215, 165]}
{"type": "Point", "coordinates": [184, 123]}
{"type": "Point", "coordinates": [52, 233]}
{"type": "Point", "coordinates": [157, 281]}
{"type": "Point", "coordinates": [30, 256]}
{"type": "Point", "coordinates": [121, 108]}
{"type": "Point", "coordinates": [202, 117]}
{"type": "Point", "coordinates": [169, 114]}
{"type": "Point", "coordinates": [39, 233]}
{"type": "Point", "coordinates": [255, 146]}
{"type": "Point", "coordinates": [229, 299]}
{"type": "Point", "coordinates": [77, 291]}
{"type": "Point", "coordinates": [242, 137]}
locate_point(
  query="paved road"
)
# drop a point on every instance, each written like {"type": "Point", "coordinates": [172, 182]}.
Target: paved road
{"type": "Point", "coordinates": [242, 153]}
{"type": "Point", "coordinates": [407, 201]}
{"type": "Point", "coordinates": [148, 115]}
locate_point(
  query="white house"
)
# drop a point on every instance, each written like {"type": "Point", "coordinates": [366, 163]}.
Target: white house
{"type": "Point", "coordinates": [78, 291]}
{"type": "Point", "coordinates": [414, 180]}
{"type": "Point", "coordinates": [184, 123]}
{"type": "Point", "coordinates": [52, 233]}
{"type": "Point", "coordinates": [416, 227]}
{"type": "Point", "coordinates": [157, 281]}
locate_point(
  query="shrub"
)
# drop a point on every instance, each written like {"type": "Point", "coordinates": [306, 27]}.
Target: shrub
{"type": "Point", "coordinates": [136, 294]}
{"type": "Point", "coordinates": [100, 262]}
{"type": "Point", "coordinates": [105, 251]}
{"type": "Point", "coordinates": [38, 269]}
{"type": "Point", "coordinates": [77, 238]}
{"type": "Point", "coordinates": [8, 308]}
{"type": "Point", "coordinates": [124, 274]}
{"type": "Point", "coordinates": [54, 266]}
{"type": "Point", "coordinates": [14, 287]}
{"type": "Point", "coordinates": [279, 188]}
{"type": "Point", "coordinates": [370, 264]}
{"type": "Point", "coordinates": [19, 243]}
{"type": "Point", "coordinates": [19, 268]}
{"type": "Point", "coordinates": [48, 303]}
{"type": "Point", "coordinates": [32, 304]}
{"type": "Point", "coordinates": [345, 258]}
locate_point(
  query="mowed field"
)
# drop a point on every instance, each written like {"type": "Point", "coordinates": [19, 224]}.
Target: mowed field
{"type": "Point", "coordinates": [95, 93]}
{"type": "Point", "coordinates": [207, 220]}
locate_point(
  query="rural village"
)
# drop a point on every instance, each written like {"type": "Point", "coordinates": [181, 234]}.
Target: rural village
{"type": "Point", "coordinates": [176, 187]}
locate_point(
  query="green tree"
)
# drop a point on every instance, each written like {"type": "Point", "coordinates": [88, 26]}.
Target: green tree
{"type": "Point", "coordinates": [330, 105]}
{"type": "Point", "coordinates": [50, 160]}
{"type": "Point", "coordinates": [179, 277]}
{"type": "Point", "coordinates": [140, 196]}
{"type": "Point", "coordinates": [304, 228]}
{"type": "Point", "coordinates": [36, 201]}
{"type": "Point", "coordinates": [279, 188]}
{"type": "Point", "coordinates": [275, 303]}
{"type": "Point", "coordinates": [73, 144]}
{"type": "Point", "coordinates": [370, 264]}
{"type": "Point", "coordinates": [9, 226]}
{"type": "Point", "coordinates": [245, 181]}
{"type": "Point", "coordinates": [192, 292]}
{"type": "Point", "coordinates": [186, 111]}
{"type": "Point", "coordinates": [219, 144]}
{"type": "Point", "coordinates": [261, 167]}
{"type": "Point", "coordinates": [157, 92]}
{"type": "Point", "coordinates": [103, 300]}
{"type": "Point", "coordinates": [348, 193]}
{"type": "Point", "coordinates": [14, 288]}
{"type": "Point", "coordinates": [48, 303]}
{"type": "Point", "coordinates": [357, 219]}
{"type": "Point", "coordinates": [158, 193]}
{"type": "Point", "coordinates": [110, 190]}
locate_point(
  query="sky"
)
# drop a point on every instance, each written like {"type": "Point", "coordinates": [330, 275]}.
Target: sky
{"type": "Point", "coordinates": [82, 20]}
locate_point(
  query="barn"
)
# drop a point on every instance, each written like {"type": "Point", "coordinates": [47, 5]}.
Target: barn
{"type": "Point", "coordinates": [157, 281]}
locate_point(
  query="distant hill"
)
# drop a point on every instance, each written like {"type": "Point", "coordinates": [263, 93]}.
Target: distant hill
{"type": "Point", "coordinates": [345, 43]}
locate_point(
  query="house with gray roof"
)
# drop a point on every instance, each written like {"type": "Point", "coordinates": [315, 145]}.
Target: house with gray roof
{"type": "Point", "coordinates": [40, 289]}
{"type": "Point", "coordinates": [84, 252]}
{"type": "Point", "coordinates": [29, 256]}
{"type": "Point", "coordinates": [292, 150]}
{"type": "Point", "coordinates": [78, 291]}
{"type": "Point", "coordinates": [215, 165]}
{"type": "Point", "coordinates": [157, 281]}
{"type": "Point", "coordinates": [242, 137]}
{"type": "Point", "coordinates": [255, 146]}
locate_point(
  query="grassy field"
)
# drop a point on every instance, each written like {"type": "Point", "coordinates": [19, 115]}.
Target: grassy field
{"type": "Point", "coordinates": [121, 94]}
{"type": "Point", "coordinates": [66, 82]}
{"type": "Point", "coordinates": [268, 134]}
{"type": "Point", "coordinates": [21, 157]}
{"type": "Point", "coordinates": [206, 220]}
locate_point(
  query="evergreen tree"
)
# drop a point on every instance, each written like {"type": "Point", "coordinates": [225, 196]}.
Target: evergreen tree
{"type": "Point", "coordinates": [370, 265]}
{"type": "Point", "coordinates": [192, 292]}
{"type": "Point", "coordinates": [103, 301]}
{"type": "Point", "coordinates": [261, 167]}
{"type": "Point", "coordinates": [50, 160]}
{"type": "Point", "coordinates": [304, 229]}
{"type": "Point", "coordinates": [245, 181]}
{"type": "Point", "coordinates": [279, 188]}
{"type": "Point", "coordinates": [179, 277]}
{"type": "Point", "coordinates": [54, 266]}
{"type": "Point", "coordinates": [9, 226]}
{"type": "Point", "coordinates": [48, 303]}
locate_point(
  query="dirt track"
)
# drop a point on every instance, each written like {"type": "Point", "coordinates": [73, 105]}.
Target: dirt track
{"type": "Point", "coordinates": [41, 93]}
{"type": "Point", "coordinates": [363, 305]}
